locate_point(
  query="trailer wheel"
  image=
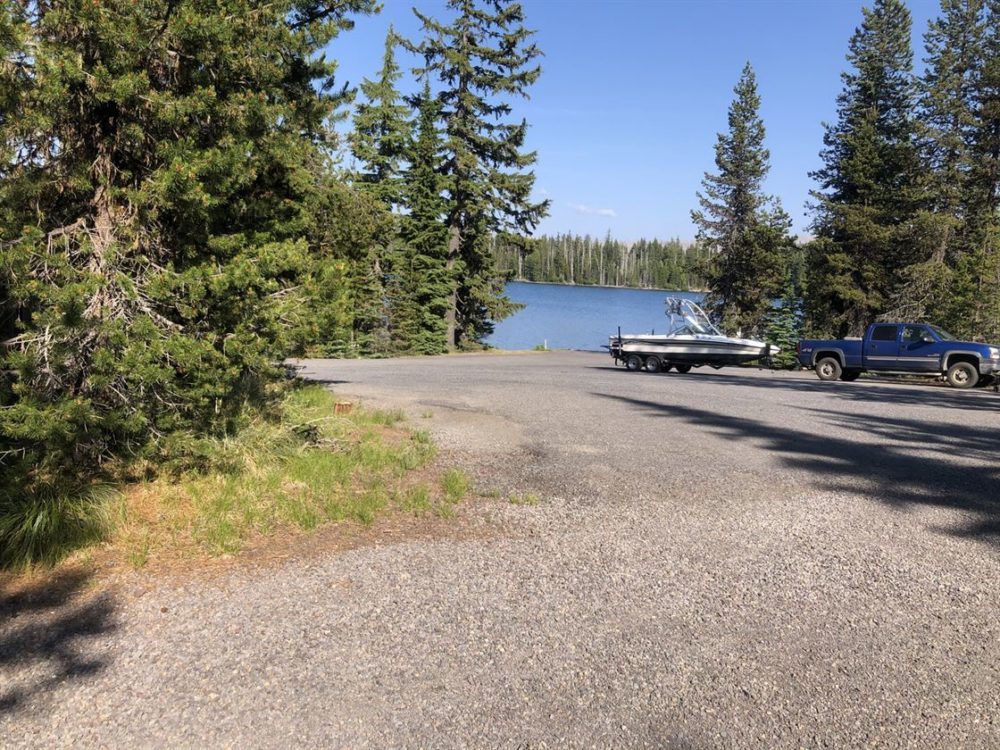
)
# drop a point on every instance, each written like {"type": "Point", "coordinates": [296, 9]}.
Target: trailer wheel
{"type": "Point", "coordinates": [849, 376]}
{"type": "Point", "coordinates": [682, 368]}
{"type": "Point", "coordinates": [962, 375]}
{"type": "Point", "coordinates": [633, 362]}
{"type": "Point", "coordinates": [653, 364]}
{"type": "Point", "coordinates": [667, 367]}
{"type": "Point", "coordinates": [828, 369]}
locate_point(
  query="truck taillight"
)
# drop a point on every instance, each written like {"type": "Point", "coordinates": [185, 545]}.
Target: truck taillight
{"type": "Point", "coordinates": [798, 347]}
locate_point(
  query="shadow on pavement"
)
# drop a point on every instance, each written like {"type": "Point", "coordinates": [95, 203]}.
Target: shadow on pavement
{"type": "Point", "coordinates": [892, 472]}
{"type": "Point", "coordinates": [908, 393]}
{"type": "Point", "coordinates": [45, 628]}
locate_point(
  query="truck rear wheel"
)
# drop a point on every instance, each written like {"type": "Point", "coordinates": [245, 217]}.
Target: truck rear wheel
{"type": "Point", "coordinates": [653, 364]}
{"type": "Point", "coordinates": [962, 375]}
{"type": "Point", "coordinates": [828, 369]}
{"type": "Point", "coordinates": [633, 362]}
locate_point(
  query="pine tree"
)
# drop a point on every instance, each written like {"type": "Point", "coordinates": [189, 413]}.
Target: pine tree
{"type": "Point", "coordinates": [746, 230]}
{"type": "Point", "coordinates": [866, 215]}
{"type": "Point", "coordinates": [784, 326]}
{"type": "Point", "coordinates": [153, 210]}
{"type": "Point", "coordinates": [954, 47]}
{"type": "Point", "coordinates": [482, 58]}
{"type": "Point", "coordinates": [978, 286]}
{"type": "Point", "coordinates": [423, 281]}
{"type": "Point", "coordinates": [381, 129]}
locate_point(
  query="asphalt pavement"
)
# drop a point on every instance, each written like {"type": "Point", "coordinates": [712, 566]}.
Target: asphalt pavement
{"type": "Point", "coordinates": [734, 558]}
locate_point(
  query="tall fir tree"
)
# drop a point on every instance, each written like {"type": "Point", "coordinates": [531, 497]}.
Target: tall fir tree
{"type": "Point", "coordinates": [423, 280]}
{"type": "Point", "coordinates": [745, 230]}
{"type": "Point", "coordinates": [153, 209]}
{"type": "Point", "coordinates": [978, 290]}
{"type": "Point", "coordinates": [483, 57]}
{"type": "Point", "coordinates": [947, 88]}
{"type": "Point", "coordinates": [866, 211]}
{"type": "Point", "coordinates": [382, 129]}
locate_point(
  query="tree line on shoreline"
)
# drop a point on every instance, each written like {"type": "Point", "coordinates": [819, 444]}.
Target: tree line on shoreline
{"type": "Point", "coordinates": [582, 259]}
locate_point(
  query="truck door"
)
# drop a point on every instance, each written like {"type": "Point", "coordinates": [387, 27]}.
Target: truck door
{"type": "Point", "coordinates": [917, 350]}
{"type": "Point", "coordinates": [882, 347]}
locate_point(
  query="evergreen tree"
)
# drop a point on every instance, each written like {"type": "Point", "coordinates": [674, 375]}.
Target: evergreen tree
{"type": "Point", "coordinates": [423, 280]}
{"type": "Point", "coordinates": [784, 326]}
{"type": "Point", "coordinates": [746, 231]}
{"type": "Point", "coordinates": [866, 216]}
{"type": "Point", "coordinates": [381, 129]}
{"type": "Point", "coordinates": [152, 207]}
{"type": "Point", "coordinates": [481, 58]}
{"type": "Point", "coordinates": [978, 285]}
{"type": "Point", "coordinates": [954, 46]}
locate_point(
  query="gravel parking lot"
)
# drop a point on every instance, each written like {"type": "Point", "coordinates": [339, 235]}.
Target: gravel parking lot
{"type": "Point", "coordinates": [727, 559]}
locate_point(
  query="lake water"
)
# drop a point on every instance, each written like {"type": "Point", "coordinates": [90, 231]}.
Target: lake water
{"type": "Point", "coordinates": [579, 317]}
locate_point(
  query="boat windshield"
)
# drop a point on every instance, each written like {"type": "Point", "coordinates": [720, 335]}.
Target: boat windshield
{"type": "Point", "coordinates": [687, 319]}
{"type": "Point", "coordinates": [941, 333]}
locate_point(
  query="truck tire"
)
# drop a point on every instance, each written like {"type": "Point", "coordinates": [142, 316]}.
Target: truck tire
{"type": "Point", "coordinates": [633, 362]}
{"type": "Point", "coordinates": [849, 376]}
{"type": "Point", "coordinates": [828, 368]}
{"type": "Point", "coordinates": [962, 375]}
{"type": "Point", "coordinates": [653, 364]}
{"type": "Point", "coordinates": [682, 368]}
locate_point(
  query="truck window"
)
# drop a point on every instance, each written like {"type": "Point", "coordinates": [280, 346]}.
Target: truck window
{"type": "Point", "coordinates": [913, 334]}
{"type": "Point", "coordinates": [884, 333]}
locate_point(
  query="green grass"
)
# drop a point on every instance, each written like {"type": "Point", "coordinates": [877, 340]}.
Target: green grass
{"type": "Point", "coordinates": [313, 467]}
{"type": "Point", "coordinates": [46, 524]}
{"type": "Point", "coordinates": [454, 485]}
{"type": "Point", "coordinates": [304, 468]}
{"type": "Point", "coordinates": [527, 498]}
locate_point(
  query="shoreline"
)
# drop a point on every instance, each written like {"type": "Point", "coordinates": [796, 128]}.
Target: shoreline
{"type": "Point", "coordinates": [609, 286]}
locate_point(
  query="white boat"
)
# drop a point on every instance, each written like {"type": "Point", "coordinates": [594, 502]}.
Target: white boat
{"type": "Point", "coordinates": [691, 340]}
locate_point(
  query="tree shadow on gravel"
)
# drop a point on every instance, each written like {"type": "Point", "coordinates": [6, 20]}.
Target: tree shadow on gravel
{"type": "Point", "coordinates": [892, 471]}
{"type": "Point", "coordinates": [885, 391]}
{"type": "Point", "coordinates": [45, 628]}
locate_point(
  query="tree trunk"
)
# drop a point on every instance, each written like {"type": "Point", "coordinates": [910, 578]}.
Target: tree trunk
{"type": "Point", "coordinates": [451, 316]}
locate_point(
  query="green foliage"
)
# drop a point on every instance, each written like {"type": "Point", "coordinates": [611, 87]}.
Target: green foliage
{"type": "Point", "coordinates": [455, 484]}
{"type": "Point", "coordinates": [302, 467]}
{"type": "Point", "coordinates": [422, 281]}
{"type": "Point", "coordinates": [745, 230]}
{"type": "Point", "coordinates": [869, 197]}
{"type": "Point", "coordinates": [153, 213]}
{"type": "Point", "coordinates": [381, 133]}
{"type": "Point", "coordinates": [783, 326]}
{"type": "Point", "coordinates": [907, 219]}
{"type": "Point", "coordinates": [46, 524]}
{"type": "Point", "coordinates": [481, 59]}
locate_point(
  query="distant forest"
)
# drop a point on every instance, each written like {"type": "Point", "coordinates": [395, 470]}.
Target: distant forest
{"type": "Point", "coordinates": [575, 259]}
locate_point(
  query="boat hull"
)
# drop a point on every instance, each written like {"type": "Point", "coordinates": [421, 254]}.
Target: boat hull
{"type": "Point", "coordinates": [691, 350]}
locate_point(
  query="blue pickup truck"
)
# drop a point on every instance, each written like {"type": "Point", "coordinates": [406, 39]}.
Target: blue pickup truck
{"type": "Point", "coordinates": [902, 348]}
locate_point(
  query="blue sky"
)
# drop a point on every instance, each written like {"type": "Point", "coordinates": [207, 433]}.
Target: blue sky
{"type": "Point", "coordinates": [633, 93]}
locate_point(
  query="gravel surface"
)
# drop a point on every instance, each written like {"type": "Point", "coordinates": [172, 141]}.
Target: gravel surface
{"type": "Point", "coordinates": [720, 559]}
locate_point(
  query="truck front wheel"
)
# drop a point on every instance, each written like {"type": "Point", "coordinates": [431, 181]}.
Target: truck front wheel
{"type": "Point", "coordinates": [828, 369]}
{"type": "Point", "coordinates": [962, 375]}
